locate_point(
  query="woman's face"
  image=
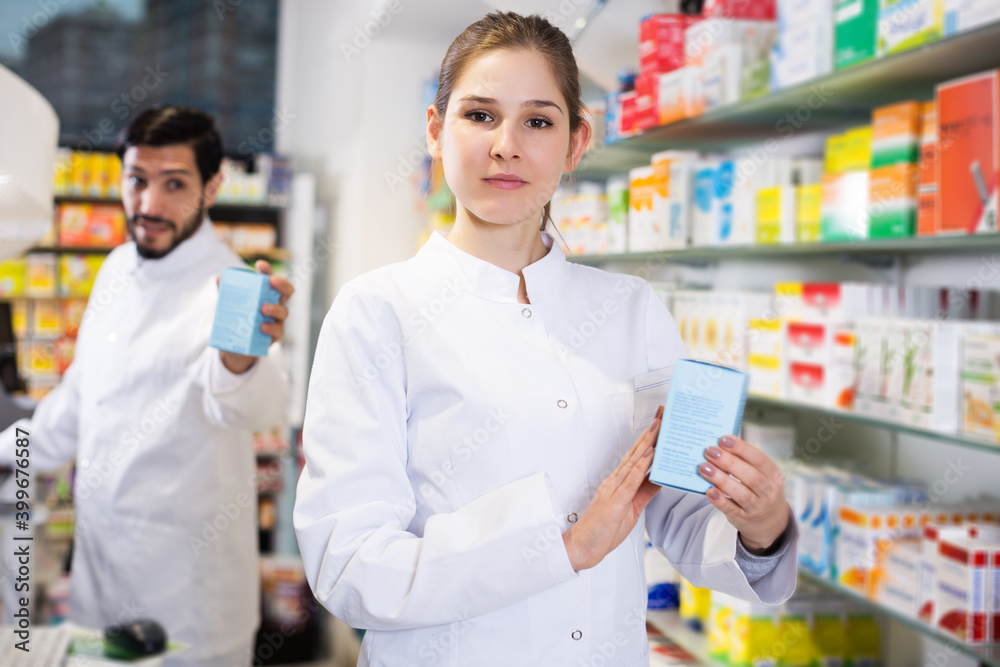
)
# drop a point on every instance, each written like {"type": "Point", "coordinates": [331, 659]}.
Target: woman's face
{"type": "Point", "coordinates": [505, 141]}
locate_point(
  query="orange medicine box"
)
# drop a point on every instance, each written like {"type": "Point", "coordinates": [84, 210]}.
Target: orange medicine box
{"type": "Point", "coordinates": [967, 173]}
{"type": "Point", "coordinates": [927, 188]}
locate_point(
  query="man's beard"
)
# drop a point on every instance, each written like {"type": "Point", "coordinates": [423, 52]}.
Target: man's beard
{"type": "Point", "coordinates": [186, 231]}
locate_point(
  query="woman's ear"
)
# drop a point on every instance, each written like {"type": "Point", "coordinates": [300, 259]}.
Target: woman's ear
{"type": "Point", "coordinates": [578, 142]}
{"type": "Point", "coordinates": [434, 124]}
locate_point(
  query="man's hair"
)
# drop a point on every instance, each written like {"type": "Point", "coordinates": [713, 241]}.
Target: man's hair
{"type": "Point", "coordinates": [171, 125]}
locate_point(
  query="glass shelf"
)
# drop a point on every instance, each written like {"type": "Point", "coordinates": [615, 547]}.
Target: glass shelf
{"type": "Point", "coordinates": [965, 243]}
{"type": "Point", "coordinates": [695, 643]}
{"type": "Point", "coordinates": [959, 439]}
{"type": "Point", "coordinates": [836, 100]}
{"type": "Point", "coordinates": [988, 654]}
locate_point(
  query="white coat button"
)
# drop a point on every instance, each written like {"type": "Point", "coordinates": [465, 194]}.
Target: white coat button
{"type": "Point", "coordinates": [577, 634]}
{"type": "Point", "coordinates": [526, 313]}
{"type": "Point", "coordinates": [561, 403]}
{"type": "Point", "coordinates": [112, 337]}
{"type": "Point", "coordinates": [572, 517]}
{"type": "Point", "coordinates": [84, 463]}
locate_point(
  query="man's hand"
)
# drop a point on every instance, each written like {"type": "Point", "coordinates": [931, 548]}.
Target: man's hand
{"type": "Point", "coordinates": [749, 489]}
{"type": "Point", "coordinates": [241, 363]}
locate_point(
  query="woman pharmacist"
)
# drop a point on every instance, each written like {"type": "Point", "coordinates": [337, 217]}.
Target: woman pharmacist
{"type": "Point", "coordinates": [473, 489]}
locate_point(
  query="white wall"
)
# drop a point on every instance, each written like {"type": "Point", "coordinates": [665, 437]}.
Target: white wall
{"type": "Point", "coordinates": [356, 112]}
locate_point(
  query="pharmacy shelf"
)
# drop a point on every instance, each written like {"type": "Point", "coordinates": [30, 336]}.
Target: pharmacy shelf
{"type": "Point", "coordinates": [960, 439]}
{"type": "Point", "coordinates": [72, 250]}
{"type": "Point", "coordinates": [861, 249]}
{"type": "Point", "coordinates": [987, 654]}
{"type": "Point", "coordinates": [275, 254]}
{"type": "Point", "coordinates": [830, 102]}
{"type": "Point", "coordinates": [695, 643]}
{"type": "Point", "coordinates": [74, 199]}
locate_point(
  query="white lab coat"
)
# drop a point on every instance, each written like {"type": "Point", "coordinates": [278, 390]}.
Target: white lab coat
{"type": "Point", "coordinates": [165, 490]}
{"type": "Point", "coordinates": [452, 435]}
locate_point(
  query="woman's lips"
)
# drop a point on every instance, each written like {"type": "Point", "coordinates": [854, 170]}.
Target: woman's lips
{"type": "Point", "coordinates": [506, 182]}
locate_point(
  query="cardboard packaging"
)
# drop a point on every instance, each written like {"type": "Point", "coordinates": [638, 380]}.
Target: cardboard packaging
{"type": "Point", "coordinates": [981, 386]}
{"type": "Point", "coordinates": [647, 114]}
{"type": "Point", "coordinates": [962, 15]}
{"type": "Point", "coordinates": [722, 75]}
{"type": "Point", "coordinates": [896, 133]}
{"type": "Point", "coordinates": [776, 215]}
{"type": "Point", "coordinates": [968, 113]}
{"type": "Point", "coordinates": [77, 274]}
{"type": "Point", "coordinates": [617, 197]}
{"type": "Point", "coordinates": [40, 275]}
{"type": "Point", "coordinates": [717, 395]}
{"type": "Point", "coordinates": [896, 580]}
{"type": "Point", "coordinates": [679, 95]}
{"type": "Point", "coordinates": [961, 603]}
{"type": "Point", "coordinates": [661, 42]}
{"type": "Point", "coordinates": [796, 12]}
{"type": "Point", "coordinates": [766, 363]}
{"type": "Point", "coordinates": [855, 31]}
{"type": "Point", "coordinates": [927, 193]}
{"type": "Point", "coordinates": [640, 207]}
{"type": "Point", "coordinates": [906, 24]}
{"type": "Point", "coordinates": [802, 52]}
{"type": "Point", "coordinates": [238, 316]}
{"type": "Point", "coordinates": [892, 201]}
{"type": "Point", "coordinates": [673, 193]}
{"type": "Point", "coordinates": [758, 10]}
{"type": "Point", "coordinates": [808, 213]}
{"type": "Point", "coordinates": [12, 273]}
{"type": "Point", "coordinates": [845, 206]}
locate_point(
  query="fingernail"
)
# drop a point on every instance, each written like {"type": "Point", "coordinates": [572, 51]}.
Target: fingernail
{"type": "Point", "coordinates": [714, 452]}
{"type": "Point", "coordinates": [713, 494]}
{"type": "Point", "coordinates": [649, 452]}
{"type": "Point", "coordinates": [727, 441]}
{"type": "Point", "coordinates": [707, 469]}
{"type": "Point", "coordinates": [659, 412]}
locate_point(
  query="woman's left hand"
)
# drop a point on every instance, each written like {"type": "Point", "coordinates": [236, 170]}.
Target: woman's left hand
{"type": "Point", "coordinates": [754, 501]}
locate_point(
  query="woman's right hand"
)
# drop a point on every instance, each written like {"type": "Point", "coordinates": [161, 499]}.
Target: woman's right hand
{"type": "Point", "coordinates": [617, 505]}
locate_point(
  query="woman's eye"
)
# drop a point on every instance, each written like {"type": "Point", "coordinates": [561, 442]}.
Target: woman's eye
{"type": "Point", "coordinates": [135, 181]}
{"type": "Point", "coordinates": [539, 123]}
{"type": "Point", "coordinates": [478, 116]}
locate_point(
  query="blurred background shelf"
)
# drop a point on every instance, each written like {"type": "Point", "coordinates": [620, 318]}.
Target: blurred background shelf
{"type": "Point", "coordinates": [986, 654]}
{"type": "Point", "coordinates": [869, 248]}
{"type": "Point", "coordinates": [835, 101]}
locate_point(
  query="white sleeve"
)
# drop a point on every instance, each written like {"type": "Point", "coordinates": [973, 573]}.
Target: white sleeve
{"type": "Point", "coordinates": [354, 502]}
{"type": "Point", "coordinates": [696, 537]}
{"type": "Point", "coordinates": [252, 401]}
{"type": "Point", "coordinates": [53, 428]}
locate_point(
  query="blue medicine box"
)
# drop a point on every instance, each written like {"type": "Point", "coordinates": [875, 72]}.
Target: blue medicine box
{"type": "Point", "coordinates": [705, 402]}
{"type": "Point", "coordinates": [236, 327]}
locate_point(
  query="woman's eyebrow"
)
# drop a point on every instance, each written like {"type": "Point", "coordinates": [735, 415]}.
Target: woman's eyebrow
{"type": "Point", "coordinates": [537, 104]}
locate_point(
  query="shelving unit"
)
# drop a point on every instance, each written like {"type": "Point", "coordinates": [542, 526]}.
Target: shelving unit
{"type": "Point", "coordinates": [837, 100]}
{"type": "Point", "coordinates": [959, 439]}
{"type": "Point", "coordinates": [927, 245]}
{"type": "Point", "coordinates": [987, 654]}
{"type": "Point", "coordinates": [695, 643]}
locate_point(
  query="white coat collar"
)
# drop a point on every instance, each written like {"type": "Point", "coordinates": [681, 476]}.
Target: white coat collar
{"type": "Point", "coordinates": [489, 281]}
{"type": "Point", "coordinates": [190, 253]}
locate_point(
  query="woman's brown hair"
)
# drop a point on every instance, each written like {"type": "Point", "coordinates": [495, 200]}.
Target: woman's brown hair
{"type": "Point", "coordinates": [507, 30]}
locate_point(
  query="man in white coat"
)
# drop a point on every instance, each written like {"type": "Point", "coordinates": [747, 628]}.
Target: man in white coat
{"type": "Point", "coordinates": [160, 424]}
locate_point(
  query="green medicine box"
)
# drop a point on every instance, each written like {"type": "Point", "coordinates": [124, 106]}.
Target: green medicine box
{"type": "Point", "coordinates": [855, 31]}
